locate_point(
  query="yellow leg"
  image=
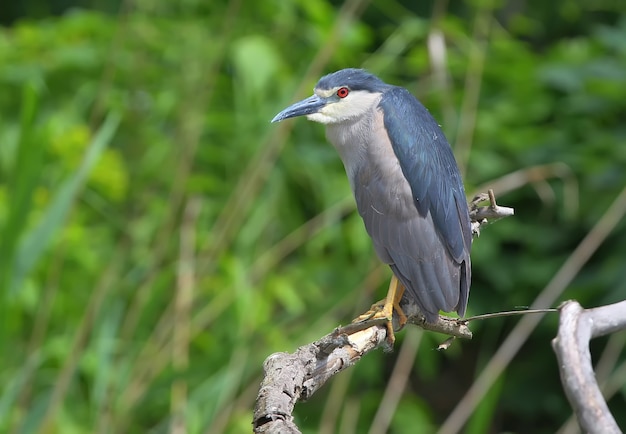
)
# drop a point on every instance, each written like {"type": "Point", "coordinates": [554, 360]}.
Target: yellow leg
{"type": "Point", "coordinates": [384, 309]}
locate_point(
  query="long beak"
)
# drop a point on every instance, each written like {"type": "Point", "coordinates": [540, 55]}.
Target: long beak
{"type": "Point", "coordinates": [308, 106]}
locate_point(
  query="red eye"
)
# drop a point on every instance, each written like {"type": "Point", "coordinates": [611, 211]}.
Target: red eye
{"type": "Point", "coordinates": [343, 92]}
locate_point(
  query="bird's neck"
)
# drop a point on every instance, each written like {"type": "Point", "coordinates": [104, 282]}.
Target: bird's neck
{"type": "Point", "coordinates": [369, 159]}
{"type": "Point", "coordinates": [352, 138]}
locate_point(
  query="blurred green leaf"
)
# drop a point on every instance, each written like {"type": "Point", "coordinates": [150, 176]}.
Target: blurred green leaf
{"type": "Point", "coordinates": [21, 184]}
{"type": "Point", "coordinates": [53, 217]}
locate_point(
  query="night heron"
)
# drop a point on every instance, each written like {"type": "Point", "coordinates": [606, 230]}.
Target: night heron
{"type": "Point", "coordinates": [407, 187]}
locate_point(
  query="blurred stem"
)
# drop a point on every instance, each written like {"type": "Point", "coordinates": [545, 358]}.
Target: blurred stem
{"type": "Point", "coordinates": [21, 183]}
{"type": "Point", "coordinates": [243, 403]}
{"type": "Point", "coordinates": [182, 310]}
{"type": "Point", "coordinates": [473, 80]}
{"type": "Point", "coordinates": [110, 65]}
{"type": "Point", "coordinates": [397, 382]}
{"type": "Point", "coordinates": [199, 83]}
{"type": "Point", "coordinates": [106, 282]}
{"type": "Point", "coordinates": [41, 325]}
{"type": "Point", "coordinates": [539, 174]}
{"type": "Point", "coordinates": [272, 256]}
{"type": "Point", "coordinates": [334, 403]}
{"type": "Point", "coordinates": [438, 60]}
{"type": "Point", "coordinates": [610, 356]}
{"type": "Point", "coordinates": [152, 358]}
{"type": "Point", "coordinates": [350, 417]}
{"type": "Point", "coordinates": [236, 366]}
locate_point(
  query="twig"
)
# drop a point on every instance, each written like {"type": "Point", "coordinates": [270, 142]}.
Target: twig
{"type": "Point", "coordinates": [483, 215]}
{"type": "Point", "coordinates": [503, 314]}
{"type": "Point", "coordinates": [577, 326]}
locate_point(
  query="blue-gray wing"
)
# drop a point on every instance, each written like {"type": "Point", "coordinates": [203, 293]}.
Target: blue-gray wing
{"type": "Point", "coordinates": [425, 239]}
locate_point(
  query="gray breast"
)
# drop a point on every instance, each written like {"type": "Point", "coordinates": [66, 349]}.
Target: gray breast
{"type": "Point", "coordinates": [403, 238]}
{"type": "Point", "coordinates": [372, 166]}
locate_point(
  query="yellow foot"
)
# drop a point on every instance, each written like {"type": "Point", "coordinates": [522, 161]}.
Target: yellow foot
{"type": "Point", "coordinates": [382, 311]}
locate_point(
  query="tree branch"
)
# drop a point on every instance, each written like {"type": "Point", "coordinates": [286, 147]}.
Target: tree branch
{"type": "Point", "coordinates": [290, 378]}
{"type": "Point", "coordinates": [577, 326]}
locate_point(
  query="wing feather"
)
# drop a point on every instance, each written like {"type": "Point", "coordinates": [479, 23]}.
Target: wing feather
{"type": "Point", "coordinates": [419, 219]}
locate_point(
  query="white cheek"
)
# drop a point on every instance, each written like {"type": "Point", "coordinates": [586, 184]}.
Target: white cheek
{"type": "Point", "coordinates": [321, 118]}
{"type": "Point", "coordinates": [331, 114]}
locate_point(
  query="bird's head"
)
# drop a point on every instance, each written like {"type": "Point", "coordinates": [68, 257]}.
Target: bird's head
{"type": "Point", "coordinates": [338, 97]}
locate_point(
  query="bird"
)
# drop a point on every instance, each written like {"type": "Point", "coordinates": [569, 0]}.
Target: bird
{"type": "Point", "coordinates": [407, 187]}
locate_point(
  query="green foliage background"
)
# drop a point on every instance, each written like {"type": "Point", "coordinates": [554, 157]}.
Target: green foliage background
{"type": "Point", "coordinates": [160, 238]}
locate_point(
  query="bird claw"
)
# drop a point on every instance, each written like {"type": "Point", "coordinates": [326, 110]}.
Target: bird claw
{"type": "Point", "coordinates": [376, 311]}
{"type": "Point", "coordinates": [381, 313]}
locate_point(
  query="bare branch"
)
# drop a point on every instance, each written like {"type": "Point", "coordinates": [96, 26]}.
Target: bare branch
{"type": "Point", "coordinates": [483, 215]}
{"type": "Point", "coordinates": [290, 378]}
{"type": "Point", "coordinates": [577, 327]}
